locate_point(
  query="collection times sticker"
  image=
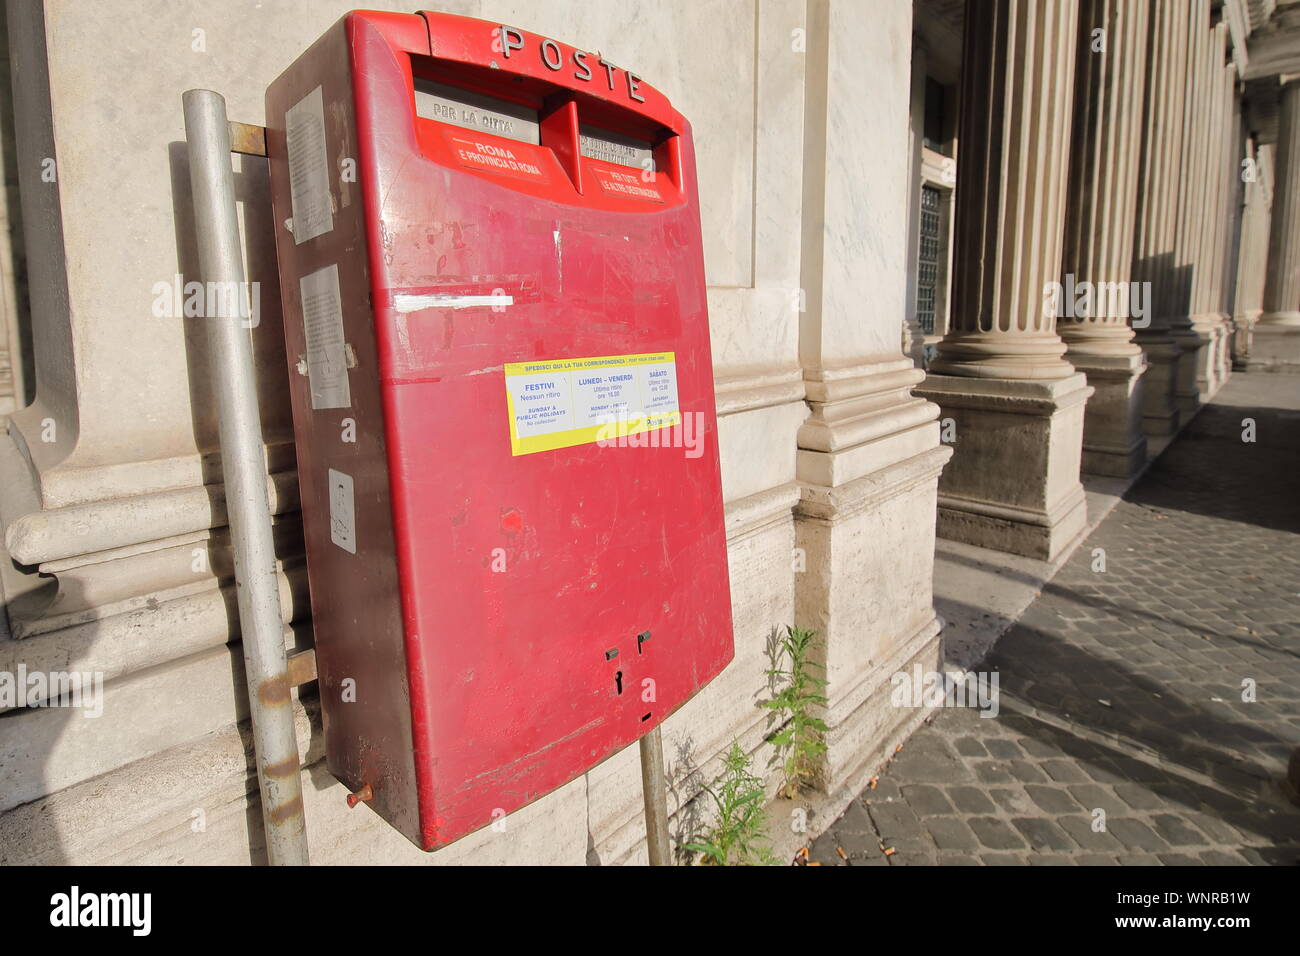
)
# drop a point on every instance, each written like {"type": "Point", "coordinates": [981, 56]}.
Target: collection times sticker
{"type": "Point", "coordinates": [565, 402]}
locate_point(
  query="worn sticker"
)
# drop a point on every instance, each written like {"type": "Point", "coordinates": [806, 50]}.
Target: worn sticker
{"type": "Point", "coordinates": [564, 402]}
{"type": "Point", "coordinates": [322, 323]}
{"type": "Point", "coordinates": [309, 181]}
{"type": "Point", "coordinates": [343, 512]}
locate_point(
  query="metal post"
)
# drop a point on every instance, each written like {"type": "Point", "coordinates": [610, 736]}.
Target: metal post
{"type": "Point", "coordinates": [243, 463]}
{"type": "Point", "coordinates": [655, 792]}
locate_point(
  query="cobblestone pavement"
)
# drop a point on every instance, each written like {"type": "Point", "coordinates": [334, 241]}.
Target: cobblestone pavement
{"type": "Point", "coordinates": [1121, 692]}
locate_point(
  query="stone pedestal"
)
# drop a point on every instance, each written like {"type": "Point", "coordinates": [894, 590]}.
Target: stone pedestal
{"type": "Point", "coordinates": [1019, 444]}
{"type": "Point", "coordinates": [1113, 441]}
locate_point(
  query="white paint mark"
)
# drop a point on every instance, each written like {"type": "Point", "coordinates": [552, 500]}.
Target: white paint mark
{"type": "Point", "coordinates": [416, 303]}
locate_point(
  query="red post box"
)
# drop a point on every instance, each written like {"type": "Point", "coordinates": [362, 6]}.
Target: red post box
{"type": "Point", "coordinates": [494, 306]}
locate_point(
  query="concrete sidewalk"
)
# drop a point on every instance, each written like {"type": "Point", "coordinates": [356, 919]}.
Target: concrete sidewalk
{"type": "Point", "coordinates": [1146, 712]}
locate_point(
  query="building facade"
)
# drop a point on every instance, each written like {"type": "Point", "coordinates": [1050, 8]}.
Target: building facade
{"type": "Point", "coordinates": [903, 204]}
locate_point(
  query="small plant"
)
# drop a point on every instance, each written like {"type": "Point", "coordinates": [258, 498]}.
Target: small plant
{"type": "Point", "coordinates": [797, 690]}
{"type": "Point", "coordinates": [739, 834]}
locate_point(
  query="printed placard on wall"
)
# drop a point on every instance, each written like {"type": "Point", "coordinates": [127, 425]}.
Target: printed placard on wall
{"type": "Point", "coordinates": [564, 402]}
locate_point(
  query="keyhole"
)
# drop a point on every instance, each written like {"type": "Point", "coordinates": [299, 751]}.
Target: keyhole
{"type": "Point", "coordinates": [618, 681]}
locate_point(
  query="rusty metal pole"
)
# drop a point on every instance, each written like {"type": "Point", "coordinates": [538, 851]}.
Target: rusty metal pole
{"type": "Point", "coordinates": [243, 464]}
{"type": "Point", "coordinates": [655, 792]}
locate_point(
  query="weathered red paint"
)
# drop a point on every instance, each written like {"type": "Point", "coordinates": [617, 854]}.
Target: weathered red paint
{"type": "Point", "coordinates": [480, 689]}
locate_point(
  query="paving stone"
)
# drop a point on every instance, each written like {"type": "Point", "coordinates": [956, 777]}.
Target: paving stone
{"type": "Point", "coordinates": [855, 820]}
{"type": "Point", "coordinates": [1222, 858]}
{"type": "Point", "coordinates": [970, 800]}
{"type": "Point", "coordinates": [1081, 832]}
{"type": "Point", "coordinates": [1091, 796]}
{"type": "Point", "coordinates": [1065, 771]}
{"type": "Point", "coordinates": [1025, 771]}
{"type": "Point", "coordinates": [958, 859]}
{"type": "Point", "coordinates": [950, 833]}
{"type": "Point", "coordinates": [1002, 859]}
{"type": "Point", "coordinates": [1054, 800]}
{"type": "Point", "coordinates": [993, 771]}
{"type": "Point", "coordinates": [970, 747]}
{"type": "Point", "coordinates": [895, 822]}
{"type": "Point", "coordinates": [1038, 748]}
{"type": "Point", "coordinates": [1176, 832]}
{"type": "Point", "coordinates": [927, 800]}
{"type": "Point", "coordinates": [857, 845]}
{"type": "Point", "coordinates": [1011, 801]}
{"type": "Point", "coordinates": [1004, 749]}
{"type": "Point", "coordinates": [996, 834]}
{"type": "Point", "coordinates": [1043, 834]}
{"type": "Point", "coordinates": [1134, 834]}
{"type": "Point", "coordinates": [1139, 797]}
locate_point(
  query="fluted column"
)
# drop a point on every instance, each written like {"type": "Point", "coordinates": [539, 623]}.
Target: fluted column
{"type": "Point", "coordinates": [1231, 198]}
{"type": "Point", "coordinates": [1017, 90]}
{"type": "Point", "coordinates": [1157, 214]}
{"type": "Point", "coordinates": [1277, 335]}
{"type": "Point", "coordinates": [1000, 374]}
{"type": "Point", "coordinates": [1193, 327]}
{"type": "Point", "coordinates": [1252, 261]}
{"type": "Point", "coordinates": [1101, 210]}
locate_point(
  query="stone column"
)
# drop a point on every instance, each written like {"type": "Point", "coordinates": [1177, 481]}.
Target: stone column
{"type": "Point", "coordinates": [1157, 213]}
{"type": "Point", "coordinates": [1253, 253]}
{"type": "Point", "coordinates": [1100, 216]}
{"type": "Point", "coordinates": [1222, 176]}
{"type": "Point", "coordinates": [1195, 327]}
{"type": "Point", "coordinates": [1017, 405]}
{"type": "Point", "coordinates": [913, 334]}
{"type": "Point", "coordinates": [1232, 193]}
{"type": "Point", "coordinates": [1277, 335]}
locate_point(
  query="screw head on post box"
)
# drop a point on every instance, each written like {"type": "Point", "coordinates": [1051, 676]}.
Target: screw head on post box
{"type": "Point", "coordinates": [492, 276]}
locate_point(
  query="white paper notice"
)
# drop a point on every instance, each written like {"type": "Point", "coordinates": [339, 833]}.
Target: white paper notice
{"type": "Point", "coordinates": [322, 323]}
{"type": "Point", "coordinates": [343, 512]}
{"type": "Point", "coordinates": [309, 180]}
{"type": "Point", "coordinates": [564, 402]}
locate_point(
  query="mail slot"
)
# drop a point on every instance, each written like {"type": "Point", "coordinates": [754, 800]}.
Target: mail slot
{"type": "Point", "coordinates": [498, 341]}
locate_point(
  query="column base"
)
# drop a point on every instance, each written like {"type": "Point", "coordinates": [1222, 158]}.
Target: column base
{"type": "Point", "coordinates": [1195, 366]}
{"type": "Point", "coordinates": [1013, 483]}
{"type": "Point", "coordinates": [1113, 440]}
{"type": "Point", "coordinates": [1243, 337]}
{"type": "Point", "coordinates": [1223, 353]}
{"type": "Point", "coordinates": [1275, 345]}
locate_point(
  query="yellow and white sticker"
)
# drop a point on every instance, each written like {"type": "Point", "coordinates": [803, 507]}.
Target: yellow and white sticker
{"type": "Point", "coordinates": [565, 402]}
